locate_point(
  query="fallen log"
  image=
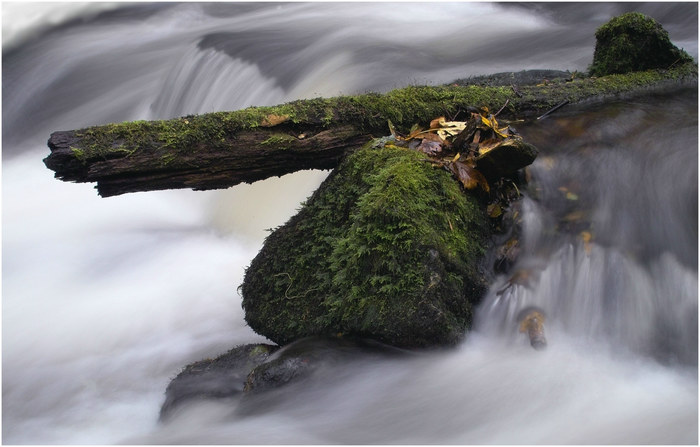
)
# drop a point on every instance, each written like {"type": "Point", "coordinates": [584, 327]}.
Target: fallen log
{"type": "Point", "coordinates": [222, 149]}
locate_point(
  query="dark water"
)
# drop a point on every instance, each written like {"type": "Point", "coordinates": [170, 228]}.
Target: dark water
{"type": "Point", "coordinates": [105, 299]}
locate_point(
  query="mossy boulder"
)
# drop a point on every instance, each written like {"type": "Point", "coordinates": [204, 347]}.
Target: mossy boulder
{"type": "Point", "coordinates": [634, 42]}
{"type": "Point", "coordinates": [388, 248]}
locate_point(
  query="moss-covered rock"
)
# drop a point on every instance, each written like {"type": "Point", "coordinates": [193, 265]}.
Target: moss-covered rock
{"type": "Point", "coordinates": [388, 248]}
{"type": "Point", "coordinates": [634, 42]}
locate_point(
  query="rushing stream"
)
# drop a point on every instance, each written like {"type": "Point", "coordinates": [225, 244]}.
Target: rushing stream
{"type": "Point", "coordinates": [104, 300]}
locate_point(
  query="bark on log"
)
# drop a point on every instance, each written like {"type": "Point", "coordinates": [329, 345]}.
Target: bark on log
{"type": "Point", "coordinates": [222, 149]}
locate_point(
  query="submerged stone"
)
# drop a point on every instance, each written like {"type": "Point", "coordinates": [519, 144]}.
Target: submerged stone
{"type": "Point", "coordinates": [217, 378]}
{"type": "Point", "coordinates": [387, 248]}
{"type": "Point", "coordinates": [634, 42]}
{"type": "Point", "coordinates": [311, 356]}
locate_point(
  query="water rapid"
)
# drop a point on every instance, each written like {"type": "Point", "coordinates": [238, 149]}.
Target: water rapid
{"type": "Point", "coordinates": [104, 300]}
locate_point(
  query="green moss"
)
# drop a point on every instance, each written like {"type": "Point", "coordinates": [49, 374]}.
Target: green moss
{"type": "Point", "coordinates": [634, 42]}
{"type": "Point", "coordinates": [279, 140]}
{"type": "Point", "coordinates": [78, 153]}
{"type": "Point", "coordinates": [388, 247]}
{"type": "Point", "coordinates": [536, 99]}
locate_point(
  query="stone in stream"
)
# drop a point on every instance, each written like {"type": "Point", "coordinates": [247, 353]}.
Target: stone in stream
{"type": "Point", "coordinates": [249, 371]}
{"type": "Point", "coordinates": [389, 247]}
{"type": "Point", "coordinates": [217, 378]}
{"type": "Point", "coordinates": [308, 356]}
{"type": "Point", "coordinates": [531, 321]}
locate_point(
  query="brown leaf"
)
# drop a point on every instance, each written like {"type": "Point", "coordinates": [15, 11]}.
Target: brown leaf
{"type": "Point", "coordinates": [430, 147]}
{"type": "Point", "coordinates": [414, 133]}
{"type": "Point", "coordinates": [433, 137]}
{"type": "Point", "coordinates": [436, 123]}
{"type": "Point", "coordinates": [468, 176]}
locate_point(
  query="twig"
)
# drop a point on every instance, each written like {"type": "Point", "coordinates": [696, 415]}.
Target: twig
{"type": "Point", "coordinates": [501, 109]}
{"type": "Point", "coordinates": [553, 109]}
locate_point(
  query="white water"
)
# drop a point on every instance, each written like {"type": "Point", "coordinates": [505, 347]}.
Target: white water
{"type": "Point", "coordinates": [104, 300]}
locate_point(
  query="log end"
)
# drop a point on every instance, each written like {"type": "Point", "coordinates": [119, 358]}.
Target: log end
{"type": "Point", "coordinates": [66, 159]}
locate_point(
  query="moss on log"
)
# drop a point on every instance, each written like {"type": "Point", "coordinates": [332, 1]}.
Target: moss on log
{"type": "Point", "coordinates": [222, 149]}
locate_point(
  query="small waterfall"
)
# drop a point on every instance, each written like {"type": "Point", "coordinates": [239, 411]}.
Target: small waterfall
{"type": "Point", "coordinates": [202, 80]}
{"type": "Point", "coordinates": [609, 245]}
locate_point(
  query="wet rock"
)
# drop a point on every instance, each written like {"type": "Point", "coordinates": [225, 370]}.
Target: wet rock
{"type": "Point", "coordinates": [531, 322]}
{"type": "Point", "coordinates": [221, 377]}
{"type": "Point", "coordinates": [506, 158]}
{"type": "Point", "coordinates": [634, 42]}
{"type": "Point", "coordinates": [303, 358]}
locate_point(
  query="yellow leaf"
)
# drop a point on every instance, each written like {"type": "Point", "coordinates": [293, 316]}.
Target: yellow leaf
{"type": "Point", "coordinates": [457, 157]}
{"type": "Point", "coordinates": [273, 120]}
{"type": "Point", "coordinates": [487, 145]}
{"type": "Point", "coordinates": [574, 216]}
{"type": "Point", "coordinates": [448, 132]}
{"type": "Point", "coordinates": [492, 124]}
{"type": "Point", "coordinates": [587, 238]}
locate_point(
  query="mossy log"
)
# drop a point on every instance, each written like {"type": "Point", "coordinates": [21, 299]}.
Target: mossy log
{"type": "Point", "coordinates": [222, 149]}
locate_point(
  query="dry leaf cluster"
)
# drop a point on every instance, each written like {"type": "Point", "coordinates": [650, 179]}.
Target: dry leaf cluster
{"type": "Point", "coordinates": [455, 145]}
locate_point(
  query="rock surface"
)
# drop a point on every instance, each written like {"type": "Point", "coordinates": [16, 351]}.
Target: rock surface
{"type": "Point", "coordinates": [221, 377]}
{"type": "Point", "coordinates": [245, 373]}
{"type": "Point", "coordinates": [312, 355]}
{"type": "Point", "coordinates": [505, 159]}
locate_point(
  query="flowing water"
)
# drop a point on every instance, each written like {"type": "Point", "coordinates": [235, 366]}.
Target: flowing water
{"type": "Point", "coordinates": [104, 300]}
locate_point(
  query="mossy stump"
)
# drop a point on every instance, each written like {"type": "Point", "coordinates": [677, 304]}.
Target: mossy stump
{"type": "Point", "coordinates": [388, 248]}
{"type": "Point", "coordinates": [634, 42]}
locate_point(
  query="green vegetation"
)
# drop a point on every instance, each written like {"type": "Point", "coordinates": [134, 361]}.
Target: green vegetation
{"type": "Point", "coordinates": [388, 247]}
{"type": "Point", "coordinates": [78, 153]}
{"type": "Point", "coordinates": [278, 140]}
{"type": "Point", "coordinates": [634, 42]}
